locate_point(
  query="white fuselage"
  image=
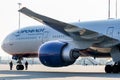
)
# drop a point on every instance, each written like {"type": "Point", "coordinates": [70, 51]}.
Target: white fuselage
{"type": "Point", "coordinates": [29, 39]}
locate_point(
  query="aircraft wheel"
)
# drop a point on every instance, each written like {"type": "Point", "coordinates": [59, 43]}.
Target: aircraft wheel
{"type": "Point", "coordinates": [108, 68]}
{"type": "Point", "coordinates": [19, 67]}
{"type": "Point", "coordinates": [116, 69]}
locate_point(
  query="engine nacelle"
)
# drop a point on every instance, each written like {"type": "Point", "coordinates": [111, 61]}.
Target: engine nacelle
{"type": "Point", "coordinates": [57, 54]}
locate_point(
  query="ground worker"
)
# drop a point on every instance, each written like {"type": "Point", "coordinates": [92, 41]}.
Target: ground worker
{"type": "Point", "coordinates": [26, 65]}
{"type": "Point", "coordinates": [11, 65]}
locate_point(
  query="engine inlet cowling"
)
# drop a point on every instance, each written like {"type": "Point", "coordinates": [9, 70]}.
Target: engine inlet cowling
{"type": "Point", "coordinates": [51, 54]}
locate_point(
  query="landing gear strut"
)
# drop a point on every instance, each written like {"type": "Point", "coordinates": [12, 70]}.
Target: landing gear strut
{"type": "Point", "coordinates": [113, 68]}
{"type": "Point", "coordinates": [19, 64]}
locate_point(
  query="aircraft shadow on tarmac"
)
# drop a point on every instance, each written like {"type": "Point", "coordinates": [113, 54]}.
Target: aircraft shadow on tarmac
{"type": "Point", "coordinates": [42, 74]}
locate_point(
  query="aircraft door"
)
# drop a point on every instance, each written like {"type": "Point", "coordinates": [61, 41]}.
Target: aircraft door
{"type": "Point", "coordinates": [110, 31]}
{"type": "Point", "coordinates": [45, 36]}
{"type": "Point", "coordinates": [40, 38]}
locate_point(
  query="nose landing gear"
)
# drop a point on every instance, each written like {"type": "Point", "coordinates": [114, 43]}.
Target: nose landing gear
{"type": "Point", "coordinates": [19, 64]}
{"type": "Point", "coordinates": [19, 67]}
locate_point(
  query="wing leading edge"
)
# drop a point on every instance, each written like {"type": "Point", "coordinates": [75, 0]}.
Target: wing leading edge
{"type": "Point", "coordinates": [71, 30]}
{"type": "Point", "coordinates": [65, 28]}
{"type": "Point", "coordinates": [46, 20]}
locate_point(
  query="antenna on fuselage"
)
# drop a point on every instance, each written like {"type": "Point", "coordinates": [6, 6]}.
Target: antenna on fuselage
{"type": "Point", "coordinates": [19, 4]}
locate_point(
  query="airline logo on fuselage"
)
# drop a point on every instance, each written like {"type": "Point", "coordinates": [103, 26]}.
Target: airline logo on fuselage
{"type": "Point", "coordinates": [30, 31]}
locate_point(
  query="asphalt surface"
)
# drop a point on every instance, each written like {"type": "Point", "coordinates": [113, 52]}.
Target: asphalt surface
{"type": "Point", "coordinates": [40, 72]}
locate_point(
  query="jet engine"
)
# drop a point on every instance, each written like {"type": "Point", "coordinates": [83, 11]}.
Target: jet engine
{"type": "Point", "coordinates": [57, 54]}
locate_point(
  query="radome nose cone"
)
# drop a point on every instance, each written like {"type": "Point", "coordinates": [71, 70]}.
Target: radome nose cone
{"type": "Point", "coordinates": [3, 44]}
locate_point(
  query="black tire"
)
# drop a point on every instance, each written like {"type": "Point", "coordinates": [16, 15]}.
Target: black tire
{"type": "Point", "coordinates": [108, 69]}
{"type": "Point", "coordinates": [19, 67]}
{"type": "Point", "coordinates": [115, 69]}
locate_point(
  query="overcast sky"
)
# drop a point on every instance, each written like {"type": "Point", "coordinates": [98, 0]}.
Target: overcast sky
{"type": "Point", "coordinates": [63, 10]}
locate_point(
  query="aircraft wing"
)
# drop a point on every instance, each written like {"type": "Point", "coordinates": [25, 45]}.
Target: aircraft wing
{"type": "Point", "coordinates": [71, 30]}
{"type": "Point", "coordinates": [65, 28]}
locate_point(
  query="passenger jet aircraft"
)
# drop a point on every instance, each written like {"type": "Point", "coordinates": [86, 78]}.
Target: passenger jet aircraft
{"type": "Point", "coordinates": [58, 44]}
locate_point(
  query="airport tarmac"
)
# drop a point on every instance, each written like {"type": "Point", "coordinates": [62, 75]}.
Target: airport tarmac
{"type": "Point", "coordinates": [73, 72]}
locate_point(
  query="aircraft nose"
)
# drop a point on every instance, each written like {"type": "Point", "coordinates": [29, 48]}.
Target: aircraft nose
{"type": "Point", "coordinates": [3, 45]}
{"type": "Point", "coordinates": [6, 43]}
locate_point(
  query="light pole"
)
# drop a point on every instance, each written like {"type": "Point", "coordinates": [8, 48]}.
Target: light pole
{"type": "Point", "coordinates": [116, 9]}
{"type": "Point", "coordinates": [19, 4]}
{"type": "Point", "coordinates": [108, 9]}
